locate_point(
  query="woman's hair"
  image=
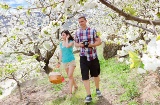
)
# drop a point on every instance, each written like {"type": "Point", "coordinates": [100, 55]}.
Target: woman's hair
{"type": "Point", "coordinates": [67, 33]}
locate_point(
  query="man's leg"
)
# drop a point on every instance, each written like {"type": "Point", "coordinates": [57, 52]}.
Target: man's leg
{"type": "Point", "coordinates": [95, 71]}
{"type": "Point", "coordinates": [96, 80]}
{"type": "Point", "coordinates": [87, 86]}
{"type": "Point", "coordinates": [85, 77]}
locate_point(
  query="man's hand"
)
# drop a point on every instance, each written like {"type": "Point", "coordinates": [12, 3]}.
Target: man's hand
{"type": "Point", "coordinates": [81, 44]}
{"type": "Point", "coordinates": [86, 43]}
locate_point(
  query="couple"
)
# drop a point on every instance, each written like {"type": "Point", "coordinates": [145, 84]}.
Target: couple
{"type": "Point", "coordinates": [87, 39]}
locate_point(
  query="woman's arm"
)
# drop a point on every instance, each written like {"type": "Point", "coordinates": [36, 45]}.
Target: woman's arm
{"type": "Point", "coordinates": [68, 44]}
{"type": "Point", "coordinates": [60, 57]}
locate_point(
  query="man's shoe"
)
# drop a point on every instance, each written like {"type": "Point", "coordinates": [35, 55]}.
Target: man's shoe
{"type": "Point", "coordinates": [98, 92]}
{"type": "Point", "coordinates": [88, 99]}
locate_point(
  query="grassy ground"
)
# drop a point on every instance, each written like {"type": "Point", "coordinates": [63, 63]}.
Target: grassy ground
{"type": "Point", "coordinates": [119, 86]}
{"type": "Point", "coordinates": [115, 77]}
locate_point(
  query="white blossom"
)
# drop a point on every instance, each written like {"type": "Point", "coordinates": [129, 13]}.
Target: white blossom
{"type": "Point", "coordinates": [141, 71]}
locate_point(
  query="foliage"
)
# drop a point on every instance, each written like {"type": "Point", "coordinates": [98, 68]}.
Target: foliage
{"type": "Point", "coordinates": [18, 73]}
{"type": "Point", "coordinates": [158, 38]}
{"type": "Point", "coordinates": [1, 92]}
{"type": "Point", "coordinates": [158, 14]}
{"type": "Point", "coordinates": [58, 87]}
{"type": "Point", "coordinates": [135, 60]}
{"type": "Point", "coordinates": [129, 9]}
{"type": "Point", "coordinates": [4, 6]}
{"type": "Point", "coordinates": [30, 35]}
{"type": "Point", "coordinates": [27, 31]}
{"type": "Point", "coordinates": [82, 2]}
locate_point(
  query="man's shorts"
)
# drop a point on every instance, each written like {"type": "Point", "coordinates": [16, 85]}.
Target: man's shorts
{"type": "Point", "coordinates": [72, 63]}
{"type": "Point", "coordinates": [92, 66]}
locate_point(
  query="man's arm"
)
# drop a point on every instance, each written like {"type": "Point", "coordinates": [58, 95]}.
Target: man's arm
{"type": "Point", "coordinates": [79, 44]}
{"type": "Point", "coordinates": [97, 43]}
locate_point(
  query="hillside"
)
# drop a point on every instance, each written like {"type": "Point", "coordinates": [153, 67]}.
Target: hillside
{"type": "Point", "coordinates": [119, 86]}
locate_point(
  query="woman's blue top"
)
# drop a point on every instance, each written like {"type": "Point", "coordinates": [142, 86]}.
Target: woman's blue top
{"type": "Point", "coordinates": [67, 53]}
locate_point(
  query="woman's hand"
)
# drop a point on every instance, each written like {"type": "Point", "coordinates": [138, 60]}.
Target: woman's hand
{"type": "Point", "coordinates": [58, 65]}
{"type": "Point", "coordinates": [67, 37]}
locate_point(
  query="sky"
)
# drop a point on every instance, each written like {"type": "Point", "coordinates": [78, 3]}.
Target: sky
{"type": "Point", "coordinates": [15, 3]}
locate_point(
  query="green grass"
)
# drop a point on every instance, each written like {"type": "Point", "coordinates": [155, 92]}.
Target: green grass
{"type": "Point", "coordinates": [114, 77]}
{"type": "Point", "coordinates": [58, 87]}
{"type": "Point", "coordinates": [118, 76]}
{"type": "Point", "coordinates": [1, 92]}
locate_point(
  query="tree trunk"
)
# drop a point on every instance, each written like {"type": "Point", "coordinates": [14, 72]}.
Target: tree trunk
{"type": "Point", "coordinates": [19, 89]}
{"type": "Point", "coordinates": [48, 56]}
{"type": "Point", "coordinates": [47, 69]}
{"type": "Point", "coordinates": [110, 50]}
{"type": "Point", "coordinates": [158, 74]}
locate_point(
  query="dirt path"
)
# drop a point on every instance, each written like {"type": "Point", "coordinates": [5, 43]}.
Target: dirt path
{"type": "Point", "coordinates": [37, 94]}
{"type": "Point", "coordinates": [34, 94]}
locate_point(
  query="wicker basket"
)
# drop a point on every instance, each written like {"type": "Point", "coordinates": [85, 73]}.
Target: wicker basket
{"type": "Point", "coordinates": [56, 77]}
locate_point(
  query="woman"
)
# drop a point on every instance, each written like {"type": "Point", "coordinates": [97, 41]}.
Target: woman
{"type": "Point", "coordinates": [67, 58]}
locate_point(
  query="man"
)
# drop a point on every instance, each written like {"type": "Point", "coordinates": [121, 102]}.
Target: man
{"type": "Point", "coordinates": [87, 39]}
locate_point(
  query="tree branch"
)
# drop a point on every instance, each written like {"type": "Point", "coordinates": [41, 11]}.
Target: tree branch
{"type": "Point", "coordinates": [24, 53]}
{"type": "Point", "coordinates": [52, 42]}
{"type": "Point", "coordinates": [24, 75]}
{"type": "Point", "coordinates": [5, 79]}
{"type": "Point", "coordinates": [37, 51]}
{"type": "Point", "coordinates": [155, 31]}
{"type": "Point", "coordinates": [28, 37]}
{"type": "Point", "coordinates": [128, 16]}
{"type": "Point", "coordinates": [140, 27]}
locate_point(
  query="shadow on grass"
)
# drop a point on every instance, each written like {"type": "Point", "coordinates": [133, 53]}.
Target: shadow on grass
{"type": "Point", "coordinates": [79, 101]}
{"type": "Point", "coordinates": [68, 101]}
{"type": "Point", "coordinates": [103, 101]}
{"type": "Point", "coordinates": [58, 101]}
